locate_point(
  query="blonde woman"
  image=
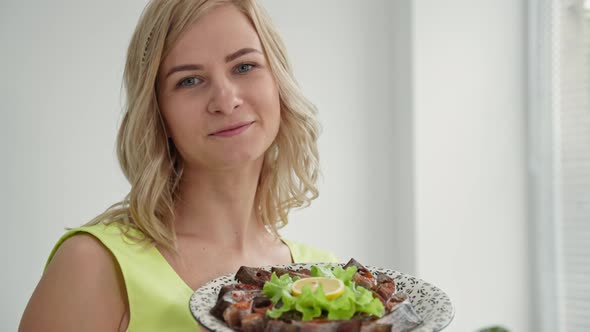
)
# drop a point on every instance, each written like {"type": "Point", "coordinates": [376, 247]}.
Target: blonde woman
{"type": "Point", "coordinates": [218, 144]}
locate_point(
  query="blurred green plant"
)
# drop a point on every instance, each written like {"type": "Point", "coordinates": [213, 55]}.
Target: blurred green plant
{"type": "Point", "coordinates": [494, 329]}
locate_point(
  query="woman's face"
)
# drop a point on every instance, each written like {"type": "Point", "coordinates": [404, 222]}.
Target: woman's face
{"type": "Point", "coordinates": [217, 94]}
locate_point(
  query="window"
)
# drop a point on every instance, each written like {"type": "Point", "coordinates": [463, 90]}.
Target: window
{"type": "Point", "coordinates": [559, 160]}
{"type": "Point", "coordinates": [574, 250]}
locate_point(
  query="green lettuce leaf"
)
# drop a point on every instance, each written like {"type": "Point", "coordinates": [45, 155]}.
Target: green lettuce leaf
{"type": "Point", "coordinates": [279, 292]}
{"type": "Point", "coordinates": [321, 271]}
{"type": "Point", "coordinates": [277, 287]}
{"type": "Point", "coordinates": [307, 303]}
{"type": "Point", "coordinates": [313, 304]}
{"type": "Point", "coordinates": [345, 275]}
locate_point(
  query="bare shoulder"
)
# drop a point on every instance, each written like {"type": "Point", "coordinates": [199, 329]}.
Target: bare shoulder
{"type": "Point", "coordinates": [82, 289]}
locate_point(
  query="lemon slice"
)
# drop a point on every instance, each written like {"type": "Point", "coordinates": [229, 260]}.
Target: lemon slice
{"type": "Point", "coordinates": [332, 287]}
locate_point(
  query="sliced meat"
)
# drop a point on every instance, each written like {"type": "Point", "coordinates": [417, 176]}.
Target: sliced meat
{"type": "Point", "coordinates": [403, 317]}
{"type": "Point", "coordinates": [301, 273]}
{"type": "Point", "coordinates": [385, 286]}
{"type": "Point", "coordinates": [380, 298]}
{"type": "Point", "coordinates": [253, 323]}
{"type": "Point", "coordinates": [261, 304]}
{"type": "Point", "coordinates": [396, 299]}
{"type": "Point", "coordinates": [375, 327]}
{"type": "Point", "coordinates": [280, 326]}
{"type": "Point", "coordinates": [235, 313]}
{"type": "Point", "coordinates": [363, 277]}
{"type": "Point", "coordinates": [232, 294]}
{"type": "Point", "coordinates": [253, 276]}
{"type": "Point", "coordinates": [321, 325]}
{"type": "Point", "coordinates": [353, 262]}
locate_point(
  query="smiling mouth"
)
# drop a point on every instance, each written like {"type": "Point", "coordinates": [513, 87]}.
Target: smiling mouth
{"type": "Point", "coordinates": [232, 131]}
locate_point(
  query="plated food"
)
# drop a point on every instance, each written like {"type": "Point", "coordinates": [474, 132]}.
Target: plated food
{"type": "Point", "coordinates": [320, 297]}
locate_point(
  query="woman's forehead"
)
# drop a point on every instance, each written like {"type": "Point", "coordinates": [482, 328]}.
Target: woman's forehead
{"type": "Point", "coordinates": [218, 33]}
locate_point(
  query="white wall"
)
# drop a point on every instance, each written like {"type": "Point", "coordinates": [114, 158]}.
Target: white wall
{"type": "Point", "coordinates": [62, 105]}
{"type": "Point", "coordinates": [469, 95]}
{"type": "Point", "coordinates": [61, 63]}
{"type": "Point", "coordinates": [344, 56]}
{"type": "Point", "coordinates": [422, 108]}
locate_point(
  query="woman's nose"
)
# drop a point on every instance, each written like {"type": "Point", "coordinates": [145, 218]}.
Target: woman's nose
{"type": "Point", "coordinates": [224, 97]}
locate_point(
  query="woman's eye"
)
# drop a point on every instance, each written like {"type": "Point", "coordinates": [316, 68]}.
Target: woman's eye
{"type": "Point", "coordinates": [244, 68]}
{"type": "Point", "coordinates": [189, 81]}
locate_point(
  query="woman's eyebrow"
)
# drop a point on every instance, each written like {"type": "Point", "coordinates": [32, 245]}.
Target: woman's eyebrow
{"type": "Point", "coordinates": [183, 68]}
{"type": "Point", "coordinates": [239, 53]}
{"type": "Point", "coordinates": [228, 58]}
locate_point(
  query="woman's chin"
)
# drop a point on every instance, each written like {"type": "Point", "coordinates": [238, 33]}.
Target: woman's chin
{"type": "Point", "coordinates": [234, 160]}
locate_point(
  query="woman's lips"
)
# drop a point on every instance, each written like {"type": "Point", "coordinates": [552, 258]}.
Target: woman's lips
{"type": "Point", "coordinates": [233, 130]}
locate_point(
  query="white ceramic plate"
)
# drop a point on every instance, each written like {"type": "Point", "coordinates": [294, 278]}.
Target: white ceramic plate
{"type": "Point", "coordinates": [431, 303]}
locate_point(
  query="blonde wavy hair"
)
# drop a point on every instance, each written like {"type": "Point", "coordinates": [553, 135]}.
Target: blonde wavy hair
{"type": "Point", "coordinates": [152, 165]}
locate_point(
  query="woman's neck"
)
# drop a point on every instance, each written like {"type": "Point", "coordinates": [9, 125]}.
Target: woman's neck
{"type": "Point", "coordinates": [219, 206]}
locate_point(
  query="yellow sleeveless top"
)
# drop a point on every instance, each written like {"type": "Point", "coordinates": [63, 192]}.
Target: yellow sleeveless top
{"type": "Point", "coordinates": [158, 297]}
